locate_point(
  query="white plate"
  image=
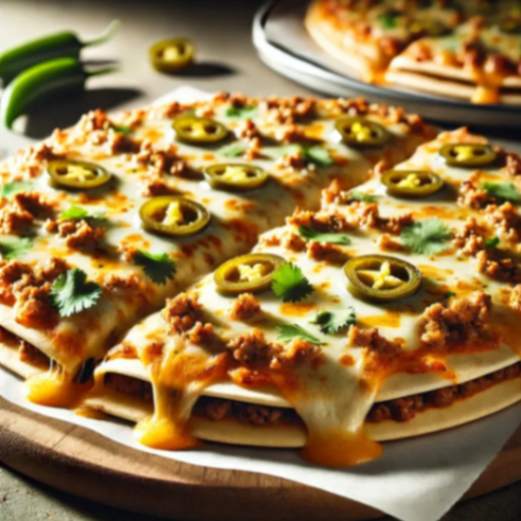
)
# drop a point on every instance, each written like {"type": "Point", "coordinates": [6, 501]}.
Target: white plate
{"type": "Point", "coordinates": [284, 45]}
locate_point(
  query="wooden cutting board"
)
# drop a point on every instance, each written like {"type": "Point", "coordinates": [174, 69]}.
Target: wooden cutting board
{"type": "Point", "coordinates": [85, 464]}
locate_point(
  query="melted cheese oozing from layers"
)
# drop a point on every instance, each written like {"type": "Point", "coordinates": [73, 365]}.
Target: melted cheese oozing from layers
{"type": "Point", "coordinates": [238, 218]}
{"type": "Point", "coordinates": [331, 397]}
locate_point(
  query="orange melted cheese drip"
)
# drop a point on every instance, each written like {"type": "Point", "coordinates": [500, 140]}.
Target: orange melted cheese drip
{"type": "Point", "coordinates": [55, 389]}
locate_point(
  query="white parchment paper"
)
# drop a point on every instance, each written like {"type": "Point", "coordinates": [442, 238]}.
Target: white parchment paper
{"type": "Point", "coordinates": [415, 480]}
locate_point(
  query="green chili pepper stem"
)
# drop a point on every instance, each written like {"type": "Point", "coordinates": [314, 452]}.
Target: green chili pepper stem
{"type": "Point", "coordinates": [105, 36]}
{"type": "Point", "coordinates": [42, 81]}
{"type": "Point", "coordinates": [58, 45]}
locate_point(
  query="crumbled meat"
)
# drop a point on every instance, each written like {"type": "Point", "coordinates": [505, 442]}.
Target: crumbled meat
{"type": "Point", "coordinates": [462, 321]}
{"type": "Point", "coordinates": [204, 335]}
{"type": "Point", "coordinates": [51, 269]}
{"type": "Point", "coordinates": [217, 409]}
{"type": "Point", "coordinates": [13, 274]}
{"type": "Point", "coordinates": [405, 409]}
{"type": "Point", "coordinates": [471, 195]}
{"type": "Point", "coordinates": [30, 355]}
{"type": "Point", "coordinates": [248, 130]}
{"type": "Point", "coordinates": [505, 220]}
{"type": "Point", "coordinates": [131, 283]}
{"type": "Point", "coordinates": [161, 161]}
{"type": "Point", "coordinates": [327, 252]}
{"type": "Point", "coordinates": [129, 386]}
{"type": "Point", "coordinates": [81, 235]}
{"type": "Point", "coordinates": [471, 238]}
{"type": "Point", "coordinates": [253, 350]}
{"type": "Point", "coordinates": [294, 160]}
{"type": "Point", "coordinates": [371, 339]}
{"type": "Point", "coordinates": [499, 266]}
{"type": "Point", "coordinates": [332, 192]}
{"type": "Point", "coordinates": [182, 312]}
{"type": "Point", "coordinates": [34, 203]}
{"type": "Point", "coordinates": [158, 186]}
{"type": "Point", "coordinates": [294, 242]}
{"type": "Point", "coordinates": [14, 220]}
{"type": "Point", "coordinates": [298, 352]}
{"type": "Point", "coordinates": [258, 415]}
{"type": "Point", "coordinates": [245, 307]}
{"type": "Point", "coordinates": [35, 308]}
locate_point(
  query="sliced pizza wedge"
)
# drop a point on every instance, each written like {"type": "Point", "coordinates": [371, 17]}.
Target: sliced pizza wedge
{"type": "Point", "coordinates": [391, 312]}
{"type": "Point", "coordinates": [105, 220]}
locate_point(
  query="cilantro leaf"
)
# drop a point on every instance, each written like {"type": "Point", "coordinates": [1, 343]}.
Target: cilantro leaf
{"type": "Point", "coordinates": [492, 243]}
{"type": "Point", "coordinates": [318, 155]}
{"type": "Point", "coordinates": [14, 187]}
{"type": "Point", "coordinates": [14, 247]}
{"type": "Point", "coordinates": [123, 129]}
{"type": "Point", "coordinates": [282, 150]}
{"type": "Point", "coordinates": [287, 332]}
{"type": "Point", "coordinates": [315, 235]}
{"type": "Point", "coordinates": [242, 112]}
{"type": "Point", "coordinates": [503, 191]}
{"type": "Point", "coordinates": [76, 213]}
{"type": "Point", "coordinates": [356, 195]}
{"type": "Point", "coordinates": [332, 322]}
{"type": "Point", "coordinates": [159, 267]}
{"type": "Point", "coordinates": [232, 150]}
{"type": "Point", "coordinates": [71, 293]}
{"type": "Point", "coordinates": [289, 283]}
{"type": "Point", "coordinates": [428, 236]}
{"type": "Point", "coordinates": [388, 20]}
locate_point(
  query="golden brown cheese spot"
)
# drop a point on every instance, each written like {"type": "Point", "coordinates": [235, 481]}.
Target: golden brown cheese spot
{"type": "Point", "coordinates": [296, 309]}
{"type": "Point", "coordinates": [387, 319]}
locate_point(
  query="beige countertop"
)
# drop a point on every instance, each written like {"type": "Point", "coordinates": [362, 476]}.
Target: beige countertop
{"type": "Point", "coordinates": [226, 61]}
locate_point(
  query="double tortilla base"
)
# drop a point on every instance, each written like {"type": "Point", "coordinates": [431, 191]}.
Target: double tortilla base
{"type": "Point", "coordinates": [85, 464]}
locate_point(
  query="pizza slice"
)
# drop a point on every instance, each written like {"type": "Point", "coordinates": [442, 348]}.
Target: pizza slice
{"type": "Point", "coordinates": [391, 312]}
{"type": "Point", "coordinates": [366, 35]}
{"type": "Point", "coordinates": [479, 61]}
{"type": "Point", "coordinates": [105, 220]}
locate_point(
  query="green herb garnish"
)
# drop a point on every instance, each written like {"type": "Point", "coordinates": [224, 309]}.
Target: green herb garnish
{"type": "Point", "coordinates": [123, 129]}
{"type": "Point", "coordinates": [289, 283]}
{"type": "Point", "coordinates": [428, 236]}
{"type": "Point", "coordinates": [232, 150]}
{"type": "Point", "coordinates": [242, 112]}
{"type": "Point", "coordinates": [331, 322]}
{"type": "Point", "coordinates": [76, 213]}
{"type": "Point", "coordinates": [332, 238]}
{"type": "Point", "coordinates": [356, 195]}
{"type": "Point", "coordinates": [15, 187]}
{"type": "Point", "coordinates": [14, 247]}
{"type": "Point", "coordinates": [503, 191]}
{"type": "Point", "coordinates": [388, 20]}
{"type": "Point", "coordinates": [492, 243]}
{"type": "Point", "coordinates": [159, 267]}
{"type": "Point", "coordinates": [317, 155]}
{"type": "Point", "coordinates": [71, 293]}
{"type": "Point", "coordinates": [288, 332]}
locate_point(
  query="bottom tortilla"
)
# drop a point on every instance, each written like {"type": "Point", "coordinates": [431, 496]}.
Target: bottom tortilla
{"type": "Point", "coordinates": [441, 86]}
{"type": "Point", "coordinates": [235, 432]}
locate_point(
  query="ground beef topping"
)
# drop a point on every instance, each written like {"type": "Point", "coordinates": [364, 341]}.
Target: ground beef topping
{"type": "Point", "coordinates": [253, 350]}
{"type": "Point", "coordinates": [505, 220]}
{"type": "Point", "coordinates": [499, 265]}
{"type": "Point", "coordinates": [471, 238]}
{"type": "Point", "coordinates": [81, 234]}
{"type": "Point", "coordinates": [204, 335]}
{"type": "Point", "coordinates": [245, 307]}
{"type": "Point", "coordinates": [471, 195]}
{"type": "Point", "coordinates": [182, 312]}
{"type": "Point", "coordinates": [330, 253]}
{"type": "Point", "coordinates": [463, 321]}
{"type": "Point", "coordinates": [34, 307]}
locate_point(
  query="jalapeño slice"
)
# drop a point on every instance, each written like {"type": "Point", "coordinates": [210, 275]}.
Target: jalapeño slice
{"type": "Point", "coordinates": [468, 154]}
{"type": "Point", "coordinates": [172, 55]}
{"type": "Point", "coordinates": [411, 183]}
{"type": "Point", "coordinates": [199, 131]}
{"type": "Point", "coordinates": [174, 215]}
{"type": "Point", "coordinates": [361, 132]}
{"type": "Point", "coordinates": [252, 272]}
{"type": "Point", "coordinates": [381, 277]}
{"type": "Point", "coordinates": [235, 176]}
{"type": "Point", "coordinates": [78, 175]}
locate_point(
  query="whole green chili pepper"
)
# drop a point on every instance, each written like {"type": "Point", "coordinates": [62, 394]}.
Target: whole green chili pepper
{"type": "Point", "coordinates": [42, 81]}
{"type": "Point", "coordinates": [66, 43]}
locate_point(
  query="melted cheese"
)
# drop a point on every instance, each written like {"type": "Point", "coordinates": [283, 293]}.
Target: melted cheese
{"type": "Point", "coordinates": [333, 396]}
